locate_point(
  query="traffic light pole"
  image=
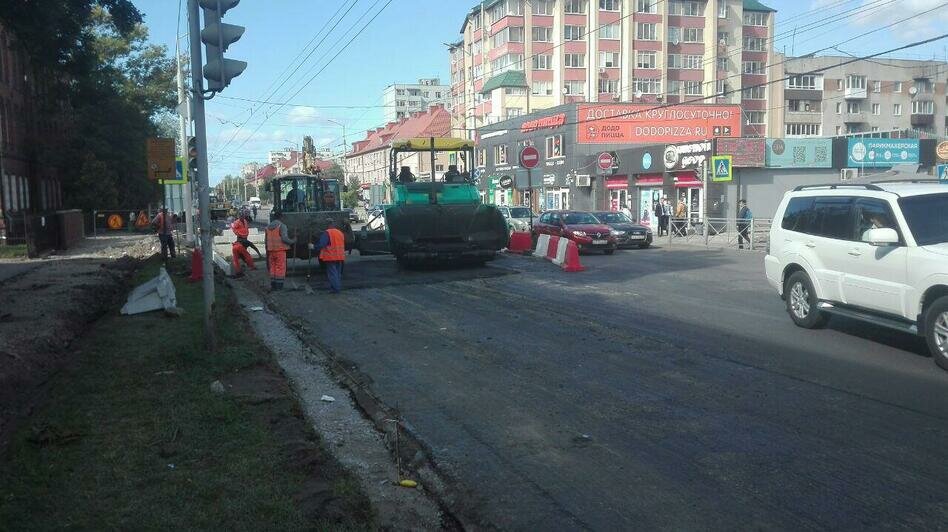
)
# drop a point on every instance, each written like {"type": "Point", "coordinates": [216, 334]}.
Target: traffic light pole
{"type": "Point", "coordinates": [200, 134]}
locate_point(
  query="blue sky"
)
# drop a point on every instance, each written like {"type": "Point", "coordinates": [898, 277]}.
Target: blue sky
{"type": "Point", "coordinates": [405, 43]}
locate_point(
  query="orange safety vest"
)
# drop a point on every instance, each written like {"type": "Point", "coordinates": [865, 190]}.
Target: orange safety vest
{"type": "Point", "coordinates": [275, 241]}
{"type": "Point", "coordinates": [161, 223]}
{"type": "Point", "coordinates": [240, 228]}
{"type": "Point", "coordinates": [336, 250]}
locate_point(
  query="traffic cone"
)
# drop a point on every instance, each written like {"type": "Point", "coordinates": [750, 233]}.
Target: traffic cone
{"type": "Point", "coordinates": [572, 258]}
{"type": "Point", "coordinates": [197, 265]}
{"type": "Point", "coordinates": [551, 250]}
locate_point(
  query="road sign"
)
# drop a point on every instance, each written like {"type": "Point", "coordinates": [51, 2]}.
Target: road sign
{"type": "Point", "coordinates": [604, 161]}
{"type": "Point", "coordinates": [160, 158]}
{"type": "Point", "coordinates": [529, 157]}
{"type": "Point", "coordinates": [721, 168]}
{"type": "Point", "coordinates": [180, 173]}
{"type": "Point", "coordinates": [942, 172]}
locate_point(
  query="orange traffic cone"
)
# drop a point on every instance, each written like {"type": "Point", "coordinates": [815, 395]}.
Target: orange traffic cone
{"type": "Point", "coordinates": [197, 265]}
{"type": "Point", "coordinates": [572, 258]}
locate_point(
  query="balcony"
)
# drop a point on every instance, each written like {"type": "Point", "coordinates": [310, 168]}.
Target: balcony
{"type": "Point", "coordinates": [861, 117]}
{"type": "Point", "coordinates": [923, 119]}
{"type": "Point", "coordinates": [803, 94]}
{"type": "Point", "coordinates": [804, 117]}
{"type": "Point", "coordinates": [854, 93]}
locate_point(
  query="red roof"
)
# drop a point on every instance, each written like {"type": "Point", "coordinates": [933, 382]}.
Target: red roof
{"type": "Point", "coordinates": [266, 172]}
{"type": "Point", "coordinates": [435, 122]}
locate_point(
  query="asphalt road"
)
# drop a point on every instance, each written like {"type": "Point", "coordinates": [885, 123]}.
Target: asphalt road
{"type": "Point", "coordinates": [659, 389]}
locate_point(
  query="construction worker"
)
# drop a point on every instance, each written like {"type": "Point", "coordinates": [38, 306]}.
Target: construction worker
{"type": "Point", "coordinates": [241, 228]}
{"type": "Point", "coordinates": [164, 225]}
{"type": "Point", "coordinates": [278, 243]}
{"type": "Point", "coordinates": [332, 253]}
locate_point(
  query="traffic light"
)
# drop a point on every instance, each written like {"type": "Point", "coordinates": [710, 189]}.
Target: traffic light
{"type": "Point", "coordinates": [217, 37]}
{"type": "Point", "coordinates": [192, 156]}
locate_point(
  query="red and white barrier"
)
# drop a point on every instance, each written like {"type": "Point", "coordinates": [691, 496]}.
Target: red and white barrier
{"type": "Point", "coordinates": [519, 242]}
{"type": "Point", "coordinates": [560, 251]}
{"type": "Point", "coordinates": [543, 242]}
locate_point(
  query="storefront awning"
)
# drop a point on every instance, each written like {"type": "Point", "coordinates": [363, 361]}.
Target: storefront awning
{"type": "Point", "coordinates": [687, 179]}
{"type": "Point", "coordinates": [647, 180]}
{"type": "Point", "coordinates": [617, 182]}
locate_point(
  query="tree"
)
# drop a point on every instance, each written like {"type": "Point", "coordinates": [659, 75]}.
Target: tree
{"type": "Point", "coordinates": [333, 172]}
{"type": "Point", "coordinates": [350, 198]}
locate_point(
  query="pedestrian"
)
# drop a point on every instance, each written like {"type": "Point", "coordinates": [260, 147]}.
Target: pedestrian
{"type": "Point", "coordinates": [627, 210]}
{"type": "Point", "coordinates": [657, 208]}
{"type": "Point", "coordinates": [254, 208]}
{"type": "Point", "coordinates": [164, 225]}
{"type": "Point", "coordinates": [681, 214]}
{"type": "Point", "coordinates": [241, 228]}
{"type": "Point", "coordinates": [332, 253]}
{"type": "Point", "coordinates": [278, 243]}
{"type": "Point", "coordinates": [666, 214]}
{"type": "Point", "coordinates": [744, 218]}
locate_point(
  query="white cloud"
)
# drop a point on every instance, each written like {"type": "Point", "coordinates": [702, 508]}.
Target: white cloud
{"type": "Point", "coordinates": [930, 24]}
{"type": "Point", "coordinates": [303, 115]}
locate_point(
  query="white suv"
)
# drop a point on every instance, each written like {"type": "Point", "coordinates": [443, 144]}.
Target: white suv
{"type": "Point", "coordinates": [877, 253]}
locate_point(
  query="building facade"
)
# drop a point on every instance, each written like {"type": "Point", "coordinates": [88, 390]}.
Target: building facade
{"type": "Point", "coordinates": [402, 99]}
{"type": "Point", "coordinates": [566, 51]}
{"type": "Point", "coordinates": [869, 96]}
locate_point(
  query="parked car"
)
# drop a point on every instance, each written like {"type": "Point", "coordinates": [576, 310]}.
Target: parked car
{"type": "Point", "coordinates": [627, 232]}
{"type": "Point", "coordinates": [581, 227]}
{"type": "Point", "coordinates": [876, 253]}
{"type": "Point", "coordinates": [353, 216]}
{"type": "Point", "coordinates": [255, 202]}
{"type": "Point", "coordinates": [518, 218]}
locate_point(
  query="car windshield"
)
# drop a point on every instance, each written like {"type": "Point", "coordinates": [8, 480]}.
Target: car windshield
{"type": "Point", "coordinates": [613, 218]}
{"type": "Point", "coordinates": [926, 217]}
{"type": "Point", "coordinates": [519, 212]}
{"type": "Point", "coordinates": [577, 218]}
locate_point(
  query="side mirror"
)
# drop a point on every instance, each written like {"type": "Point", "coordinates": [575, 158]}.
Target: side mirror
{"type": "Point", "coordinates": [883, 236]}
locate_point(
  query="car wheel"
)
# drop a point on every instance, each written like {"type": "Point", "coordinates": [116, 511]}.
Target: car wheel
{"type": "Point", "coordinates": [608, 251]}
{"type": "Point", "coordinates": [802, 302]}
{"type": "Point", "coordinates": [936, 331]}
{"type": "Point", "coordinates": [644, 246]}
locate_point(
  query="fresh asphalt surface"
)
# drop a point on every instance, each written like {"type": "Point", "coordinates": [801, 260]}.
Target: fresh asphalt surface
{"type": "Point", "coordinates": [661, 388]}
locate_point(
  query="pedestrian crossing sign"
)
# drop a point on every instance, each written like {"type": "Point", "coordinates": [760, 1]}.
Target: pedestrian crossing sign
{"type": "Point", "coordinates": [942, 170]}
{"type": "Point", "coordinates": [181, 173]}
{"type": "Point", "coordinates": [721, 168]}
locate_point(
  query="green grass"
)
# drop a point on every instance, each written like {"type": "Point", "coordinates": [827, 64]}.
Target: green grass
{"type": "Point", "coordinates": [132, 437]}
{"type": "Point", "coordinates": [13, 251]}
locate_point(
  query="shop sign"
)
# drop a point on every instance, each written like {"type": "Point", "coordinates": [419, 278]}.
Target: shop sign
{"type": "Point", "coordinates": [685, 156]}
{"type": "Point", "coordinates": [506, 182]}
{"type": "Point", "coordinates": [799, 153]}
{"type": "Point", "coordinates": [547, 122]}
{"type": "Point", "coordinates": [745, 153]}
{"type": "Point", "coordinates": [549, 179]}
{"type": "Point", "coordinates": [881, 152]}
{"type": "Point", "coordinates": [942, 150]}
{"type": "Point", "coordinates": [722, 168]}
{"type": "Point", "coordinates": [637, 123]}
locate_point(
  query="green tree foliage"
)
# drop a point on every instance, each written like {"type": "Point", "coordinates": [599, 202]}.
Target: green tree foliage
{"type": "Point", "coordinates": [350, 198]}
{"type": "Point", "coordinates": [333, 172]}
{"type": "Point", "coordinates": [117, 88]}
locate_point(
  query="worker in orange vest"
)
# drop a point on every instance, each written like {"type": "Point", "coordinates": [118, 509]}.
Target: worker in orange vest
{"type": "Point", "coordinates": [278, 243]}
{"type": "Point", "coordinates": [332, 253]}
{"type": "Point", "coordinates": [241, 228]}
{"type": "Point", "coordinates": [164, 224]}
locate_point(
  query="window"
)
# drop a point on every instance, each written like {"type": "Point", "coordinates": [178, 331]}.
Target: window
{"type": "Point", "coordinates": [853, 108]}
{"type": "Point", "coordinates": [754, 117]}
{"type": "Point", "coordinates": [722, 63]}
{"type": "Point", "coordinates": [515, 91]}
{"type": "Point", "coordinates": [508, 34]}
{"type": "Point", "coordinates": [542, 34]}
{"type": "Point", "coordinates": [855, 82]}
{"type": "Point", "coordinates": [554, 146]}
{"type": "Point", "coordinates": [608, 59]}
{"type": "Point", "coordinates": [876, 109]}
{"type": "Point", "coordinates": [577, 7]}
{"type": "Point", "coordinates": [506, 62]}
{"type": "Point", "coordinates": [543, 62]}
{"type": "Point", "coordinates": [839, 130]}
{"type": "Point", "coordinates": [755, 18]}
{"type": "Point", "coordinates": [646, 6]}
{"type": "Point", "coordinates": [897, 109]}
{"type": "Point", "coordinates": [609, 5]}
{"type": "Point", "coordinates": [674, 34]}
{"type": "Point", "coordinates": [897, 86]}
{"type": "Point", "coordinates": [512, 112]}
{"type": "Point", "coordinates": [645, 59]}
{"type": "Point", "coordinates": [609, 86]}
{"type": "Point", "coordinates": [610, 31]}
{"type": "Point", "coordinates": [802, 81]}
{"type": "Point", "coordinates": [482, 157]}
{"type": "Point", "coordinates": [839, 84]}
{"type": "Point", "coordinates": [925, 217]}
{"type": "Point", "coordinates": [692, 62]}
{"type": "Point", "coordinates": [753, 67]}
{"type": "Point", "coordinates": [803, 130]}
{"type": "Point", "coordinates": [830, 217]}
{"type": "Point", "coordinates": [724, 38]}
{"type": "Point", "coordinates": [798, 215]}
{"type": "Point", "coordinates": [400, 92]}
{"type": "Point", "coordinates": [720, 87]}
{"type": "Point", "coordinates": [575, 87]}
{"type": "Point", "coordinates": [542, 7]}
{"type": "Point", "coordinates": [722, 9]}
{"type": "Point", "coordinates": [759, 92]}
{"type": "Point", "coordinates": [645, 31]}
{"type": "Point", "coordinates": [475, 22]}
{"type": "Point", "coordinates": [755, 44]}
{"type": "Point", "coordinates": [575, 60]}
{"type": "Point", "coordinates": [923, 107]}
{"type": "Point", "coordinates": [542, 88]}
{"type": "Point", "coordinates": [876, 86]}
{"type": "Point", "coordinates": [874, 129]}
{"type": "Point", "coordinates": [674, 87]}
{"type": "Point", "coordinates": [500, 154]}
{"type": "Point", "coordinates": [647, 86]}
{"type": "Point", "coordinates": [437, 94]}
{"type": "Point", "coordinates": [674, 61]}
{"type": "Point", "coordinates": [686, 8]}
{"type": "Point", "coordinates": [692, 88]}
{"type": "Point", "coordinates": [574, 33]}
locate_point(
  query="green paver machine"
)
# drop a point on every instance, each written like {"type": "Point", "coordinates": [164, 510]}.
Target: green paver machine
{"type": "Point", "coordinates": [308, 202]}
{"type": "Point", "coordinates": [433, 221]}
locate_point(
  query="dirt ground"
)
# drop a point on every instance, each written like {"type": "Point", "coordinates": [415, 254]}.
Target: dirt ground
{"type": "Point", "coordinates": [46, 303]}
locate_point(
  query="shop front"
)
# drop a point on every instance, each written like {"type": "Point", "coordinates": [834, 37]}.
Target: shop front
{"type": "Point", "coordinates": [618, 189]}
{"type": "Point", "coordinates": [649, 188]}
{"type": "Point", "coordinates": [686, 164]}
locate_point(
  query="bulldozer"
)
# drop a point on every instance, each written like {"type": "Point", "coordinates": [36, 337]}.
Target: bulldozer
{"type": "Point", "coordinates": [436, 220]}
{"type": "Point", "coordinates": [307, 203]}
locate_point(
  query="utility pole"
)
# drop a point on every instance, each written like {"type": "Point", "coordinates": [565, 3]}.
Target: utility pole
{"type": "Point", "coordinates": [184, 116]}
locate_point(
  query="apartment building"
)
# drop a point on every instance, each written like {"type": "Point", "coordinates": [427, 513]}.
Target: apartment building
{"type": "Point", "coordinates": [516, 57]}
{"type": "Point", "coordinates": [869, 96]}
{"type": "Point", "coordinates": [402, 99]}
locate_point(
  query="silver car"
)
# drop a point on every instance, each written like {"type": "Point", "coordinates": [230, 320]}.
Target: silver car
{"type": "Point", "coordinates": [518, 218]}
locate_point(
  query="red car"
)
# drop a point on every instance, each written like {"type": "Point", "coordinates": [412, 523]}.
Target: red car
{"type": "Point", "coordinates": [578, 226]}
